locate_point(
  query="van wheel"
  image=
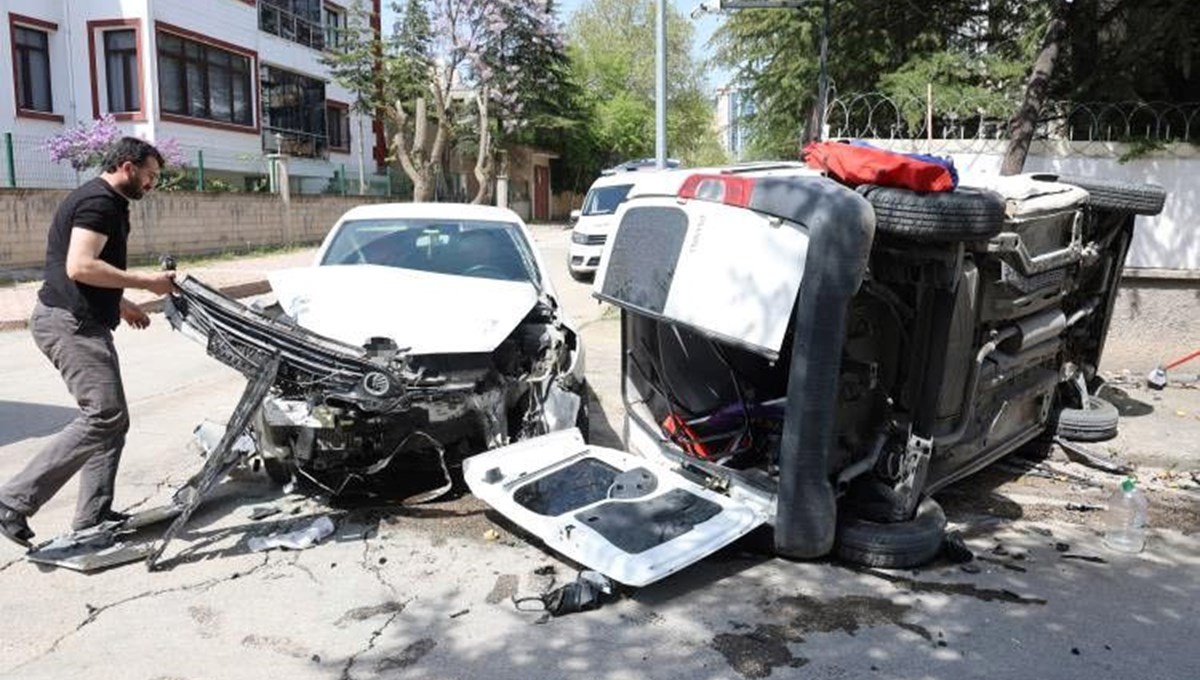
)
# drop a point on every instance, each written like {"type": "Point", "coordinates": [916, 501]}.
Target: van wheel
{"type": "Point", "coordinates": [965, 214]}
{"type": "Point", "coordinates": [582, 277]}
{"type": "Point", "coordinates": [1094, 424]}
{"type": "Point", "coordinates": [892, 545]}
{"type": "Point", "coordinates": [1107, 194]}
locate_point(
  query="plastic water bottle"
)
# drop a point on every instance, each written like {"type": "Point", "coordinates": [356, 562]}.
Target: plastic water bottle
{"type": "Point", "coordinates": [1125, 519]}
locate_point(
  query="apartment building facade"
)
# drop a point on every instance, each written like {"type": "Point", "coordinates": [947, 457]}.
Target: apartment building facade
{"type": "Point", "coordinates": [230, 81]}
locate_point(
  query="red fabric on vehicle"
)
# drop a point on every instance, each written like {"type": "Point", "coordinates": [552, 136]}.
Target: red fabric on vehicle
{"type": "Point", "coordinates": [856, 165]}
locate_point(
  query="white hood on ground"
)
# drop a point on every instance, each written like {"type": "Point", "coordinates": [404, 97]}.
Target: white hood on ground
{"type": "Point", "coordinates": [428, 313]}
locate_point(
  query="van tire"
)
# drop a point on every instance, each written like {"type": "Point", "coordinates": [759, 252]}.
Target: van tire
{"type": "Point", "coordinates": [582, 277]}
{"type": "Point", "coordinates": [966, 214]}
{"type": "Point", "coordinates": [1127, 197]}
{"type": "Point", "coordinates": [892, 545]}
{"type": "Point", "coordinates": [1094, 424]}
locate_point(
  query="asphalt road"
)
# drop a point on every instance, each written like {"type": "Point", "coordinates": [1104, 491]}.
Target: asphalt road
{"type": "Point", "coordinates": [424, 592]}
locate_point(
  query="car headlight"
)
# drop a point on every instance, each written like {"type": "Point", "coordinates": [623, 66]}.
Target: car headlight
{"type": "Point", "coordinates": [579, 238]}
{"type": "Point", "coordinates": [376, 384]}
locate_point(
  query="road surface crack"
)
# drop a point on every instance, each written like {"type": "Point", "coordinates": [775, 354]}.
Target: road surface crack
{"type": "Point", "coordinates": [375, 634]}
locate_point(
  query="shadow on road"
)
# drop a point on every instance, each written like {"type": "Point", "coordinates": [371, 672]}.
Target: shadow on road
{"type": "Point", "coordinates": [22, 420]}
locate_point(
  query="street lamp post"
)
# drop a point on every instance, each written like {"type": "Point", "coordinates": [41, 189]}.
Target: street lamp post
{"type": "Point", "coordinates": [714, 6]}
{"type": "Point", "coordinates": [660, 86]}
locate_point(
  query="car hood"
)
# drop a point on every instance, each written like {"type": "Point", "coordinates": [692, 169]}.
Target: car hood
{"type": "Point", "coordinates": [427, 313]}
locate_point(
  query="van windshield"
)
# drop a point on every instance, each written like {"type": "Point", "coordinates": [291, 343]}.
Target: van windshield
{"type": "Point", "coordinates": [604, 200]}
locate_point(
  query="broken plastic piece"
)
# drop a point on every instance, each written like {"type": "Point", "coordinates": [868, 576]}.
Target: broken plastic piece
{"type": "Point", "coordinates": [588, 591]}
{"type": "Point", "coordinates": [294, 540]}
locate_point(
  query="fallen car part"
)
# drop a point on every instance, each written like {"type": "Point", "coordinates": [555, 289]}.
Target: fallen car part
{"type": "Point", "coordinates": [588, 591]}
{"type": "Point", "coordinates": [298, 539]}
{"type": "Point", "coordinates": [1083, 455]}
{"type": "Point", "coordinates": [106, 545]}
{"type": "Point", "coordinates": [221, 458]}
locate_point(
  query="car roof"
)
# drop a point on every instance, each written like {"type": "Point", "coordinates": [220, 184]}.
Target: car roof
{"type": "Point", "coordinates": [460, 211]}
{"type": "Point", "coordinates": [668, 182]}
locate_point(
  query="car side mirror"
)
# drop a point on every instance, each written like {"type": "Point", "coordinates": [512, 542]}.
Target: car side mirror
{"type": "Point", "coordinates": [575, 216]}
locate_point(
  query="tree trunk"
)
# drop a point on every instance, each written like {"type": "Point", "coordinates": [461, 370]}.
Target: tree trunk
{"type": "Point", "coordinates": [413, 158]}
{"type": "Point", "coordinates": [483, 161]}
{"type": "Point", "coordinates": [1023, 124]}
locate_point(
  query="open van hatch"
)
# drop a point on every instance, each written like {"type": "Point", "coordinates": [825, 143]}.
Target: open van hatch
{"type": "Point", "coordinates": [634, 520]}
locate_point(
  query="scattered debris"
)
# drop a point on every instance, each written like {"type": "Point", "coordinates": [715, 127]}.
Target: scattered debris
{"type": "Point", "coordinates": [588, 591]}
{"type": "Point", "coordinates": [1084, 456]}
{"type": "Point", "coordinates": [971, 568]}
{"type": "Point", "coordinates": [263, 511]}
{"type": "Point", "coordinates": [294, 540]}
{"type": "Point", "coordinates": [1084, 507]}
{"type": "Point", "coordinates": [1085, 558]}
{"type": "Point", "coordinates": [461, 612]}
{"type": "Point", "coordinates": [1062, 547]}
{"type": "Point", "coordinates": [1007, 565]}
{"type": "Point", "coordinates": [491, 535]}
{"type": "Point", "coordinates": [955, 549]}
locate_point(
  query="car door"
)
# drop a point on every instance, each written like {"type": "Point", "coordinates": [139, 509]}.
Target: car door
{"type": "Point", "coordinates": [634, 519]}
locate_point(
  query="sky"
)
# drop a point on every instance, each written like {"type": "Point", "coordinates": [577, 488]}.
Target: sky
{"type": "Point", "coordinates": [704, 26]}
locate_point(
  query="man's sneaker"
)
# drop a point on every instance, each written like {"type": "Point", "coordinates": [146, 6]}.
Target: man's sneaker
{"type": "Point", "coordinates": [109, 517]}
{"type": "Point", "coordinates": [14, 527]}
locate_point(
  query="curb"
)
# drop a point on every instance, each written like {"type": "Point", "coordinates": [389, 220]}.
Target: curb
{"type": "Point", "coordinates": [236, 290]}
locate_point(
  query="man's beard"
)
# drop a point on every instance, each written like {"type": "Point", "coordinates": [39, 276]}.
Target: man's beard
{"type": "Point", "coordinates": [132, 190]}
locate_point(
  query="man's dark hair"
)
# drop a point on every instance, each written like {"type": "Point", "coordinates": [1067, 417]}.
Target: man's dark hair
{"type": "Point", "coordinates": [133, 150]}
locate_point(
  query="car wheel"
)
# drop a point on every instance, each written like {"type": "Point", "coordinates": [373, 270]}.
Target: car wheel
{"type": "Point", "coordinates": [892, 545]}
{"type": "Point", "coordinates": [965, 214]}
{"type": "Point", "coordinates": [1097, 423]}
{"type": "Point", "coordinates": [1105, 194]}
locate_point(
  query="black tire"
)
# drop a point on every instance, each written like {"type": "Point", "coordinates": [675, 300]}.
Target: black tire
{"type": "Point", "coordinates": [1107, 194]}
{"type": "Point", "coordinates": [966, 214]}
{"type": "Point", "coordinates": [1094, 424]}
{"type": "Point", "coordinates": [892, 545]}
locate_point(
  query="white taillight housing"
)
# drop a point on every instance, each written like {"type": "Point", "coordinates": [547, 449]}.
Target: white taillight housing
{"type": "Point", "coordinates": [728, 189]}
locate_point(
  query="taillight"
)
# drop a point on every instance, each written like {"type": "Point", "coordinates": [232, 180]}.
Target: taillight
{"type": "Point", "coordinates": [728, 189]}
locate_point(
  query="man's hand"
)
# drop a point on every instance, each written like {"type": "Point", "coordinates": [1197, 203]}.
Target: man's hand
{"type": "Point", "coordinates": [133, 315]}
{"type": "Point", "coordinates": [159, 283]}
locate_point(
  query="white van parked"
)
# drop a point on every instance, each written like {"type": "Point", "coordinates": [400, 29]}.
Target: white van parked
{"type": "Point", "coordinates": [594, 222]}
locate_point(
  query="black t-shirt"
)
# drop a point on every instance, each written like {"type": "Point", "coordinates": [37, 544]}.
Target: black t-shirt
{"type": "Point", "coordinates": [98, 207]}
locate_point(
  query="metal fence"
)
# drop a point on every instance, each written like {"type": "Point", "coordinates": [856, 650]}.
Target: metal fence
{"type": "Point", "coordinates": [25, 163]}
{"type": "Point", "coordinates": [1089, 127]}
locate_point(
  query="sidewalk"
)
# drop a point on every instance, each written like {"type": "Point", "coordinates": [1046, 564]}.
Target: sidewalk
{"type": "Point", "coordinates": [234, 276]}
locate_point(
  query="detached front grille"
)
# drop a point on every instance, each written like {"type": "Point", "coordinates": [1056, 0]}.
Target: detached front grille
{"type": "Point", "coordinates": [242, 338]}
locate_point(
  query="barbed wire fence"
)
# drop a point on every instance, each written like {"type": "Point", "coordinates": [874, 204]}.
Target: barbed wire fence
{"type": "Point", "coordinates": [966, 123]}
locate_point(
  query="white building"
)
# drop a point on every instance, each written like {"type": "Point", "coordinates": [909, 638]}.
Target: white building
{"type": "Point", "coordinates": [230, 80]}
{"type": "Point", "coordinates": [732, 107]}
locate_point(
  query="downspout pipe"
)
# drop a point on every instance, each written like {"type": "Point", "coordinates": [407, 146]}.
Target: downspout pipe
{"type": "Point", "coordinates": [840, 226]}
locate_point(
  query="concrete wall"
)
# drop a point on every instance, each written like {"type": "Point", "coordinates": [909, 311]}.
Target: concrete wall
{"type": "Point", "coordinates": [182, 223]}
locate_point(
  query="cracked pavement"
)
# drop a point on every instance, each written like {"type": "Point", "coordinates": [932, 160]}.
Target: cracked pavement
{"type": "Point", "coordinates": [424, 592]}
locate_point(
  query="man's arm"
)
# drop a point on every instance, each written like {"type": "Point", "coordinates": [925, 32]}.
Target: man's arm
{"type": "Point", "coordinates": [134, 315]}
{"type": "Point", "coordinates": [85, 266]}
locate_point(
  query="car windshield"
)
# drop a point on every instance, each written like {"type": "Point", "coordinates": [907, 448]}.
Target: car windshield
{"type": "Point", "coordinates": [604, 200]}
{"type": "Point", "coordinates": [478, 248]}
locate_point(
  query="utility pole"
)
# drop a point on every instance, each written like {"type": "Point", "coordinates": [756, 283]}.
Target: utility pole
{"type": "Point", "coordinates": [660, 86]}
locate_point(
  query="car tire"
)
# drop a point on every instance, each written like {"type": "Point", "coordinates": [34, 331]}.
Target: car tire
{"type": "Point", "coordinates": [1094, 424]}
{"type": "Point", "coordinates": [892, 545]}
{"type": "Point", "coordinates": [1106, 194]}
{"type": "Point", "coordinates": [966, 214]}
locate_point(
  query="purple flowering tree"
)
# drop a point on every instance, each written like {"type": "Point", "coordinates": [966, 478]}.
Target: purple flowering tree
{"type": "Point", "coordinates": [85, 145]}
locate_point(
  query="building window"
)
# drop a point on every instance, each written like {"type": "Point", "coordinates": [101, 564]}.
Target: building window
{"type": "Point", "coordinates": [295, 20]}
{"type": "Point", "coordinates": [337, 123]}
{"type": "Point", "coordinates": [31, 61]}
{"type": "Point", "coordinates": [121, 71]}
{"type": "Point", "coordinates": [293, 113]}
{"type": "Point", "coordinates": [204, 81]}
{"type": "Point", "coordinates": [335, 28]}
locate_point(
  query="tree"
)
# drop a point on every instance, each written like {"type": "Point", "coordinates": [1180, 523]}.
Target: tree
{"type": "Point", "coordinates": [1026, 118]}
{"type": "Point", "coordinates": [613, 54]}
{"type": "Point", "coordinates": [352, 61]}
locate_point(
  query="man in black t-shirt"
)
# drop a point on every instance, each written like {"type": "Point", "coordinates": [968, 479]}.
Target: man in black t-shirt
{"type": "Point", "coordinates": [79, 305]}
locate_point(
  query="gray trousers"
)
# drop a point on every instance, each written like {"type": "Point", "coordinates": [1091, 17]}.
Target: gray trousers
{"type": "Point", "coordinates": [83, 352]}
